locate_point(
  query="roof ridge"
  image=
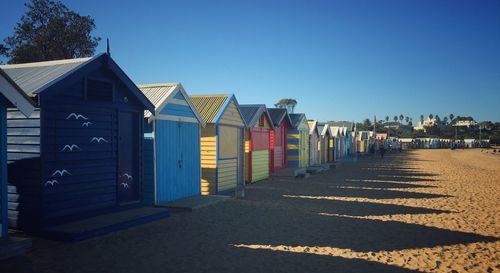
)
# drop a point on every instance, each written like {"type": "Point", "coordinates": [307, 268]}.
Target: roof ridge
{"type": "Point", "coordinates": [211, 95]}
{"type": "Point", "coordinates": [151, 85]}
{"type": "Point", "coordinates": [45, 63]}
{"type": "Point", "coordinates": [253, 105]}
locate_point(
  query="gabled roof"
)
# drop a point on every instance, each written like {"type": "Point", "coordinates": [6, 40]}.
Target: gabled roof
{"type": "Point", "coordinates": [313, 128]}
{"type": "Point", "coordinates": [295, 119]}
{"type": "Point", "coordinates": [323, 128]}
{"type": "Point", "coordinates": [15, 95]}
{"type": "Point", "coordinates": [278, 115]}
{"type": "Point", "coordinates": [34, 78]}
{"type": "Point", "coordinates": [252, 112]}
{"type": "Point", "coordinates": [161, 94]}
{"type": "Point", "coordinates": [212, 106]}
{"type": "Point", "coordinates": [334, 130]}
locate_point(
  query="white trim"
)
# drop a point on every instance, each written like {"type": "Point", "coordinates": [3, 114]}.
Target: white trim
{"type": "Point", "coordinates": [155, 198]}
{"type": "Point", "coordinates": [165, 100]}
{"type": "Point", "coordinates": [191, 105]}
{"type": "Point", "coordinates": [15, 97]}
{"type": "Point", "coordinates": [169, 98]}
{"type": "Point", "coordinates": [175, 118]}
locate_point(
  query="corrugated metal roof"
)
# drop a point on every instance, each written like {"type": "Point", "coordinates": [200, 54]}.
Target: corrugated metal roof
{"type": "Point", "coordinates": [156, 93]}
{"type": "Point", "coordinates": [251, 112]}
{"type": "Point", "coordinates": [277, 115]}
{"type": "Point", "coordinates": [295, 119]}
{"type": "Point", "coordinates": [209, 105]}
{"type": "Point", "coordinates": [32, 77]}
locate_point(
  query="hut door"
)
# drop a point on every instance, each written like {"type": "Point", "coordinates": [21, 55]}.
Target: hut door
{"type": "Point", "coordinates": [128, 158]}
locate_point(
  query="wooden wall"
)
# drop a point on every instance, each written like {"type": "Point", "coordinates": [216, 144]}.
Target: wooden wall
{"type": "Point", "coordinates": [208, 148]}
{"type": "Point", "coordinates": [24, 169]}
{"type": "Point", "coordinates": [3, 168]}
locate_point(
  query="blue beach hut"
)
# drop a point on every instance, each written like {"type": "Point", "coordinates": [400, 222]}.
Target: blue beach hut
{"type": "Point", "coordinates": [80, 153]}
{"type": "Point", "coordinates": [171, 144]}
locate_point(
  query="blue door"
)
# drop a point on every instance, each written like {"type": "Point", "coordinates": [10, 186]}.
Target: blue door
{"type": "Point", "coordinates": [128, 158]}
{"type": "Point", "coordinates": [177, 160]}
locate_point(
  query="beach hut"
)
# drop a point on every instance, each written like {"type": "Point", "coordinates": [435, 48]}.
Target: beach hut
{"type": "Point", "coordinates": [363, 138]}
{"type": "Point", "coordinates": [335, 133]}
{"type": "Point", "coordinates": [222, 143]}
{"type": "Point", "coordinates": [324, 141]}
{"type": "Point", "coordinates": [171, 144]}
{"type": "Point", "coordinates": [259, 138]}
{"type": "Point", "coordinates": [281, 122]}
{"type": "Point", "coordinates": [298, 141]}
{"type": "Point", "coordinates": [331, 142]}
{"type": "Point", "coordinates": [11, 96]}
{"type": "Point", "coordinates": [80, 153]}
{"type": "Point", "coordinates": [314, 143]}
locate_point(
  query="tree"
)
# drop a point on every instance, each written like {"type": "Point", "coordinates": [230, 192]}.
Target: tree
{"type": "Point", "coordinates": [451, 116]}
{"type": "Point", "coordinates": [395, 118]}
{"type": "Point", "coordinates": [431, 116]}
{"type": "Point", "coordinates": [438, 119]}
{"type": "Point", "coordinates": [50, 31]}
{"type": "Point", "coordinates": [289, 104]}
{"type": "Point", "coordinates": [401, 117]}
{"type": "Point", "coordinates": [421, 119]}
{"type": "Point", "coordinates": [445, 120]}
{"type": "Point", "coordinates": [407, 119]}
{"type": "Point", "coordinates": [386, 118]}
{"type": "Point", "coordinates": [367, 124]}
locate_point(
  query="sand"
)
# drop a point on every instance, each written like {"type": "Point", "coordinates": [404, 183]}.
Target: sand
{"type": "Point", "coordinates": [416, 211]}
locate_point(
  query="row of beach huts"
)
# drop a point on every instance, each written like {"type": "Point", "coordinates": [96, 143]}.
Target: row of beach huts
{"type": "Point", "coordinates": [78, 139]}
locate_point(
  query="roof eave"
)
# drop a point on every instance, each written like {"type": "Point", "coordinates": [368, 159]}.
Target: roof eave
{"type": "Point", "coordinates": [15, 95]}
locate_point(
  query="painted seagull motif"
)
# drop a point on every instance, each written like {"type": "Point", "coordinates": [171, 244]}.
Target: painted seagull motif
{"type": "Point", "coordinates": [51, 183]}
{"type": "Point", "coordinates": [70, 147]}
{"type": "Point", "coordinates": [124, 185]}
{"type": "Point", "coordinates": [98, 139]}
{"type": "Point", "coordinates": [76, 116]}
{"type": "Point", "coordinates": [61, 172]}
{"type": "Point", "coordinates": [86, 124]}
{"type": "Point", "coordinates": [128, 176]}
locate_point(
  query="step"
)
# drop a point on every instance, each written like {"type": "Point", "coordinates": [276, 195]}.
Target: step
{"type": "Point", "coordinates": [103, 224]}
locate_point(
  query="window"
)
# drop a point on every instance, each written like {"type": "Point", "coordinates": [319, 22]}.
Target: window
{"type": "Point", "coordinates": [99, 90]}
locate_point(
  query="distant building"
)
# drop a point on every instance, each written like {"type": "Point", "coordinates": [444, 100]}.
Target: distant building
{"type": "Point", "coordinates": [465, 123]}
{"type": "Point", "coordinates": [426, 123]}
{"type": "Point", "coordinates": [397, 126]}
{"type": "Point", "coordinates": [381, 136]}
{"type": "Point", "coordinates": [429, 122]}
{"type": "Point", "coordinates": [485, 125]}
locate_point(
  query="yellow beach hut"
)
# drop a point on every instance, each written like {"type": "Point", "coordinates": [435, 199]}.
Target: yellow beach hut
{"type": "Point", "coordinates": [221, 143]}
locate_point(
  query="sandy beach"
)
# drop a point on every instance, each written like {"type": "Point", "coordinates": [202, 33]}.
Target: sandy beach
{"type": "Point", "coordinates": [415, 211]}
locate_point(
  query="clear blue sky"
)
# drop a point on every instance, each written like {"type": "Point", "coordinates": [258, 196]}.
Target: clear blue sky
{"type": "Point", "coordinates": [342, 60]}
